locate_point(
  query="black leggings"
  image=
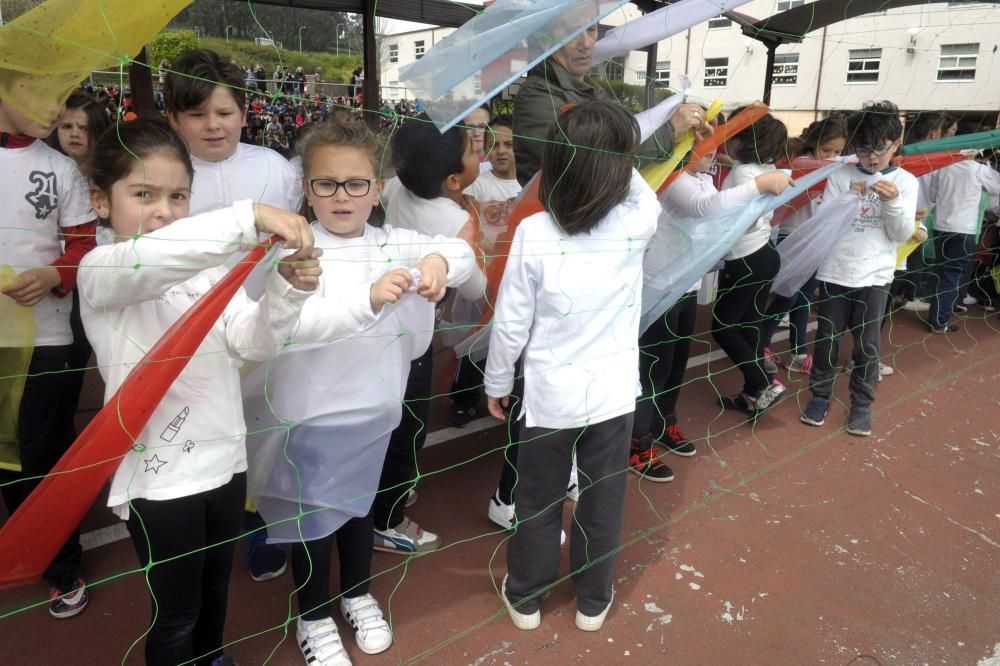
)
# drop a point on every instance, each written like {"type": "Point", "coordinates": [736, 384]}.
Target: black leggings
{"type": "Point", "coordinates": [739, 314]}
{"type": "Point", "coordinates": [354, 549]}
{"type": "Point", "coordinates": [190, 541]}
{"type": "Point", "coordinates": [663, 355]}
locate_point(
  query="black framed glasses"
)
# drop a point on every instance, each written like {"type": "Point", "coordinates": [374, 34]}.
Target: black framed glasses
{"type": "Point", "coordinates": [865, 151]}
{"type": "Point", "coordinates": [325, 188]}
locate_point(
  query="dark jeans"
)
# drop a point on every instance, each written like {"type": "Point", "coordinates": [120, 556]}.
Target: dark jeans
{"type": "Point", "coordinates": [953, 254]}
{"type": "Point", "coordinates": [404, 443]}
{"type": "Point", "coordinates": [533, 552]}
{"type": "Point", "coordinates": [311, 570]}
{"type": "Point", "coordinates": [796, 307]}
{"type": "Point", "coordinates": [45, 432]}
{"type": "Point", "coordinates": [663, 355]}
{"type": "Point", "coordinates": [190, 592]}
{"type": "Point", "coordinates": [740, 312]}
{"type": "Point", "coordinates": [508, 473]}
{"type": "Point", "coordinates": [859, 310]}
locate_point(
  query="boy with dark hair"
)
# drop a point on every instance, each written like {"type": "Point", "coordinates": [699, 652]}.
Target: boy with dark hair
{"type": "Point", "coordinates": [432, 171]}
{"type": "Point", "coordinates": [205, 105]}
{"type": "Point", "coordinates": [854, 278]}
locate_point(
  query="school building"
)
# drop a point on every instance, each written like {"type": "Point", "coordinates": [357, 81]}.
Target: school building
{"type": "Point", "coordinates": [938, 56]}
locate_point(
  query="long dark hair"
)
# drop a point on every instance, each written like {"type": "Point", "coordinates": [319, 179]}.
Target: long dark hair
{"type": "Point", "coordinates": [587, 164]}
{"type": "Point", "coordinates": [97, 119]}
{"type": "Point", "coordinates": [818, 132]}
{"type": "Point", "coordinates": [126, 143]}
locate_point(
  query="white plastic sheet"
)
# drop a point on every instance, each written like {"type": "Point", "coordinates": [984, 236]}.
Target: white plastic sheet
{"type": "Point", "coordinates": [319, 419]}
{"type": "Point", "coordinates": [653, 119]}
{"type": "Point", "coordinates": [658, 25]}
{"type": "Point", "coordinates": [687, 249]}
{"type": "Point", "coordinates": [806, 247]}
{"type": "Point", "coordinates": [507, 39]}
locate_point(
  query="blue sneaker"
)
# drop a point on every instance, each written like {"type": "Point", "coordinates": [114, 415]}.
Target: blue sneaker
{"type": "Point", "coordinates": [815, 412]}
{"type": "Point", "coordinates": [859, 422]}
{"type": "Point", "coordinates": [265, 561]}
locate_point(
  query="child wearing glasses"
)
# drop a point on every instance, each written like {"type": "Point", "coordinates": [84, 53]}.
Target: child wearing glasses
{"type": "Point", "coordinates": [854, 278]}
{"type": "Point", "coordinates": [321, 415]}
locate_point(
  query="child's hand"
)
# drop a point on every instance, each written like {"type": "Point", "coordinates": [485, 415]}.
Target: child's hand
{"type": "Point", "coordinates": [497, 407]}
{"type": "Point", "coordinates": [773, 182]}
{"type": "Point", "coordinates": [920, 235]}
{"type": "Point", "coordinates": [858, 187]}
{"type": "Point", "coordinates": [886, 190]}
{"type": "Point", "coordinates": [293, 228]}
{"type": "Point", "coordinates": [922, 214]}
{"type": "Point", "coordinates": [389, 288]}
{"type": "Point", "coordinates": [302, 269]}
{"type": "Point", "coordinates": [33, 285]}
{"type": "Point", "coordinates": [433, 277]}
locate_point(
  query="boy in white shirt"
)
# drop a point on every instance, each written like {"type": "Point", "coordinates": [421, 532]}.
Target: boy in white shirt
{"type": "Point", "coordinates": [432, 172]}
{"type": "Point", "coordinates": [494, 189]}
{"type": "Point", "coordinates": [854, 278]}
{"type": "Point", "coordinates": [957, 191]}
{"type": "Point", "coordinates": [205, 104]}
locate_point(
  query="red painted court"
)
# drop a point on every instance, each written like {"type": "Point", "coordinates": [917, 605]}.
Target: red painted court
{"type": "Point", "coordinates": [776, 544]}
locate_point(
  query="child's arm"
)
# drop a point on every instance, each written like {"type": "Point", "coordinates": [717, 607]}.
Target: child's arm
{"type": "Point", "coordinates": [512, 320]}
{"type": "Point", "coordinates": [989, 179]}
{"type": "Point", "coordinates": [141, 269]}
{"type": "Point", "coordinates": [899, 207]}
{"type": "Point", "coordinates": [694, 202]}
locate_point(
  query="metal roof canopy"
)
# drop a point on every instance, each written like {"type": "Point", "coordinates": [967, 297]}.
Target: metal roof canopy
{"type": "Point", "coordinates": [789, 27]}
{"type": "Point", "coordinates": [436, 12]}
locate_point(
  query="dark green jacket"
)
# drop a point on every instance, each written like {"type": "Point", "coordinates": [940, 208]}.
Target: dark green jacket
{"type": "Point", "coordinates": [546, 89]}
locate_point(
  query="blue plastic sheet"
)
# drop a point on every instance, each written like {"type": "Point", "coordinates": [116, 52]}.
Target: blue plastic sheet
{"type": "Point", "coordinates": [687, 249]}
{"type": "Point", "coordinates": [507, 39]}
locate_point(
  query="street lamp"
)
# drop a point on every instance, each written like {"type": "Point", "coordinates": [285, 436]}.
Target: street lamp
{"type": "Point", "coordinates": [339, 28]}
{"type": "Point", "coordinates": [301, 28]}
{"type": "Point", "coordinates": [228, 28]}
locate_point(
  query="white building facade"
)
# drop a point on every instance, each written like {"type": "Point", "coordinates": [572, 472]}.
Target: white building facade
{"type": "Point", "coordinates": [939, 56]}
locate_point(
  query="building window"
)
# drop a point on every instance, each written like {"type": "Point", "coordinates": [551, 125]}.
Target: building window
{"type": "Point", "coordinates": [418, 49]}
{"type": "Point", "coordinates": [786, 69]}
{"type": "Point", "coordinates": [393, 52]}
{"type": "Point", "coordinates": [785, 5]}
{"type": "Point", "coordinates": [663, 73]}
{"type": "Point", "coordinates": [716, 72]}
{"type": "Point", "coordinates": [477, 84]}
{"type": "Point", "coordinates": [958, 62]}
{"type": "Point", "coordinates": [862, 65]}
{"type": "Point", "coordinates": [719, 22]}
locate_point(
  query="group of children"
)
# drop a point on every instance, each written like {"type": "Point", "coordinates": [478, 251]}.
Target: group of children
{"type": "Point", "coordinates": [310, 394]}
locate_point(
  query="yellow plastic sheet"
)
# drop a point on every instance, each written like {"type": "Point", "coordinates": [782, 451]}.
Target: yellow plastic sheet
{"type": "Point", "coordinates": [46, 52]}
{"type": "Point", "coordinates": [905, 249]}
{"type": "Point", "coordinates": [17, 342]}
{"type": "Point", "coordinates": [656, 174]}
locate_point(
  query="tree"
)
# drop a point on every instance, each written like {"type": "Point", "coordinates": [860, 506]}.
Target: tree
{"type": "Point", "coordinates": [170, 45]}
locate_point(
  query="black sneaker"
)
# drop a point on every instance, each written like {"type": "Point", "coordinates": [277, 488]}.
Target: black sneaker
{"type": "Point", "coordinates": [736, 402]}
{"type": "Point", "coordinates": [947, 328]}
{"type": "Point", "coordinates": [265, 561]}
{"type": "Point", "coordinates": [675, 442]}
{"type": "Point", "coordinates": [459, 417]}
{"type": "Point", "coordinates": [645, 463]}
{"type": "Point", "coordinates": [68, 600]}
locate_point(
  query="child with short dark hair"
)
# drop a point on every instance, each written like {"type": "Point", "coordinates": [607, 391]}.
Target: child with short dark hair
{"type": "Point", "coordinates": [432, 171]}
{"type": "Point", "coordinates": [750, 267]}
{"type": "Point", "coordinates": [569, 306]}
{"type": "Point", "coordinates": [205, 104]}
{"type": "Point", "coordinates": [855, 276]}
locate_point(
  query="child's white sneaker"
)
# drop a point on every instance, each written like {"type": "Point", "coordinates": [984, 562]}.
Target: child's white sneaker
{"type": "Point", "coordinates": [320, 643]}
{"type": "Point", "coordinates": [371, 631]}
{"type": "Point", "coordinates": [594, 623]}
{"type": "Point", "coordinates": [500, 513]}
{"type": "Point", "coordinates": [523, 621]}
{"type": "Point", "coordinates": [573, 487]}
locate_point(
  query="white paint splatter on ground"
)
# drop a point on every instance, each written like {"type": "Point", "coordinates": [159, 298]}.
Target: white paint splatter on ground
{"type": "Point", "coordinates": [678, 576]}
{"type": "Point", "coordinates": [686, 567]}
{"type": "Point", "coordinates": [993, 660]}
{"type": "Point", "coordinates": [653, 608]}
{"type": "Point", "coordinates": [660, 621]}
{"type": "Point", "coordinates": [694, 586]}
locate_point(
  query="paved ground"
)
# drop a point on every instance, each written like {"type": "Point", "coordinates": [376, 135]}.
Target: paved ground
{"type": "Point", "coordinates": [776, 544]}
